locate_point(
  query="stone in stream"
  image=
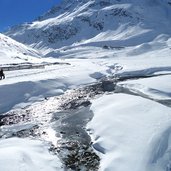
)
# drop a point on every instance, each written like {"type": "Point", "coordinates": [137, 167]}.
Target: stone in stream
{"type": "Point", "coordinates": [77, 156]}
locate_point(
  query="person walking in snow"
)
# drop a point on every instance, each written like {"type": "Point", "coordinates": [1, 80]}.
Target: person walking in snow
{"type": "Point", "coordinates": [2, 75]}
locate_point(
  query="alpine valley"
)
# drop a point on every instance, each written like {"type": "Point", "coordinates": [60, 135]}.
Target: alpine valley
{"type": "Point", "coordinates": [87, 87]}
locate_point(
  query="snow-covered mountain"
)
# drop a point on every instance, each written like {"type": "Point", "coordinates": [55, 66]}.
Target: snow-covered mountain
{"type": "Point", "coordinates": [96, 22]}
{"type": "Point", "coordinates": [13, 51]}
{"type": "Point", "coordinates": [120, 45]}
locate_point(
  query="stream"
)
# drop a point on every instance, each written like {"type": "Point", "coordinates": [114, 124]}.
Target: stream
{"type": "Point", "coordinates": [61, 121]}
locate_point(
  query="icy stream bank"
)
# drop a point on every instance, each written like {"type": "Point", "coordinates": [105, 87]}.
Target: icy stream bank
{"type": "Point", "coordinates": [61, 121]}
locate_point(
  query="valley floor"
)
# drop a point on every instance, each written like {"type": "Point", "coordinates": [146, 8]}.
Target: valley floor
{"type": "Point", "coordinates": [130, 128]}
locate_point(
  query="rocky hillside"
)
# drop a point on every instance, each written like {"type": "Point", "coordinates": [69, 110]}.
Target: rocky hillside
{"type": "Point", "coordinates": [96, 22]}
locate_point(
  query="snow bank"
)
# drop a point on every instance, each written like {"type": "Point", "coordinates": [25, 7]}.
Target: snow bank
{"type": "Point", "coordinates": [129, 133]}
{"type": "Point", "coordinates": [26, 155]}
{"type": "Point", "coordinates": [157, 88]}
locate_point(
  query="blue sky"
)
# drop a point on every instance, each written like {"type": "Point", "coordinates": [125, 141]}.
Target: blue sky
{"type": "Point", "coordinates": [13, 12]}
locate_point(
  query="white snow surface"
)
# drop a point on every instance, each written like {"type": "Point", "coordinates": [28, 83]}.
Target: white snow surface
{"type": "Point", "coordinates": [128, 132]}
{"type": "Point", "coordinates": [130, 129]}
{"type": "Point", "coordinates": [26, 155]}
{"type": "Point", "coordinates": [131, 133]}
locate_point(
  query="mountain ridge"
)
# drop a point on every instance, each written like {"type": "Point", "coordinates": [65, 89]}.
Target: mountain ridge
{"type": "Point", "coordinates": [81, 22]}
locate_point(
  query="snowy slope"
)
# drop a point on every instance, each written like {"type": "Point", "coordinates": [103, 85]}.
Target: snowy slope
{"type": "Point", "coordinates": [12, 51]}
{"type": "Point", "coordinates": [97, 23]}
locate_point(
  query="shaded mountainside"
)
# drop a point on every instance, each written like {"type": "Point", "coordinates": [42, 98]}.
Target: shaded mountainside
{"type": "Point", "coordinates": [96, 22]}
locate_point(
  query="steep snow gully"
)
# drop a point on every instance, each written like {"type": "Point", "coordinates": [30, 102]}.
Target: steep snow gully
{"type": "Point", "coordinates": [61, 121]}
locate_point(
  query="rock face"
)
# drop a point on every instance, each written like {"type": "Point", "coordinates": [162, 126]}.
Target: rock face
{"type": "Point", "coordinates": [82, 22]}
